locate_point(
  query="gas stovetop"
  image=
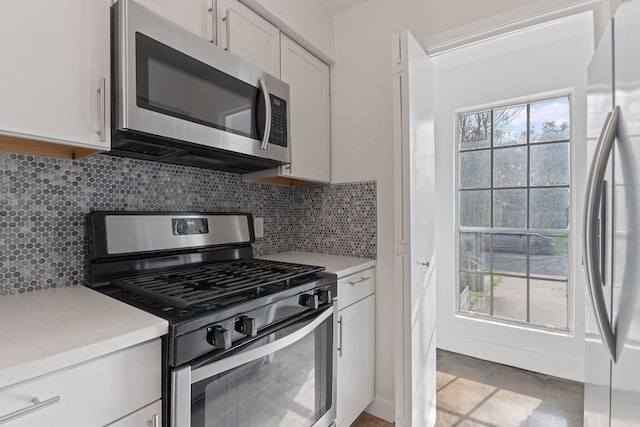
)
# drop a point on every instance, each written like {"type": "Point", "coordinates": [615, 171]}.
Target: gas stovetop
{"type": "Point", "coordinates": [197, 271]}
{"type": "Point", "coordinates": [217, 284]}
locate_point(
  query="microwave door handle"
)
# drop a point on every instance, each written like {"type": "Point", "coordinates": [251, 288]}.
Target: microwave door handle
{"type": "Point", "coordinates": [595, 184]}
{"type": "Point", "coordinates": [267, 112]}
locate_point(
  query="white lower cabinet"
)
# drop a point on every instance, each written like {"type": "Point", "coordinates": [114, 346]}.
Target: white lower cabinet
{"type": "Point", "coordinates": [356, 340]}
{"type": "Point", "coordinates": [149, 416]}
{"type": "Point", "coordinates": [93, 393]}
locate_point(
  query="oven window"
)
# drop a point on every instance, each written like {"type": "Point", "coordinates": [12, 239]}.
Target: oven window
{"type": "Point", "coordinates": [175, 84]}
{"type": "Point", "coordinates": [290, 387]}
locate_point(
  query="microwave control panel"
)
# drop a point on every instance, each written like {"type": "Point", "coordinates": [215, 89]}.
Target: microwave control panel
{"type": "Point", "coordinates": [278, 134]}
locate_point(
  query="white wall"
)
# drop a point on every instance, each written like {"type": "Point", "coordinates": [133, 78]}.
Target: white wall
{"type": "Point", "coordinates": [362, 147]}
{"type": "Point", "coordinates": [548, 58]}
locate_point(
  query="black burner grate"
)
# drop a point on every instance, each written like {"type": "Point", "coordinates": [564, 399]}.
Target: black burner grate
{"type": "Point", "coordinates": [191, 286]}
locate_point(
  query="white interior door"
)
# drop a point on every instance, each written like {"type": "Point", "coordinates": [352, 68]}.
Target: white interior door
{"type": "Point", "coordinates": [414, 231]}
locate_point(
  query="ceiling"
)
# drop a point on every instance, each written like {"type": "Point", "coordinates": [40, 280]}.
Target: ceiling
{"type": "Point", "coordinates": [337, 6]}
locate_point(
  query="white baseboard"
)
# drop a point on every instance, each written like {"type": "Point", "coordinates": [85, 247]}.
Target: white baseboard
{"type": "Point", "coordinates": [382, 408]}
{"type": "Point", "coordinates": [544, 363]}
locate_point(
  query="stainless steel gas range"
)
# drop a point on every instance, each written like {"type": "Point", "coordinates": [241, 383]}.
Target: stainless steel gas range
{"type": "Point", "coordinates": [251, 342]}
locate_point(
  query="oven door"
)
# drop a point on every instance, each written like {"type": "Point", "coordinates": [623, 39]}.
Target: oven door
{"type": "Point", "coordinates": [284, 378]}
{"type": "Point", "coordinates": [174, 84]}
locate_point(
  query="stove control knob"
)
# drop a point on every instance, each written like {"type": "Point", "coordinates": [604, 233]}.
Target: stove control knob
{"type": "Point", "coordinates": [247, 325]}
{"type": "Point", "coordinates": [219, 337]}
{"type": "Point", "coordinates": [309, 301]}
{"type": "Point", "coordinates": [324, 295]}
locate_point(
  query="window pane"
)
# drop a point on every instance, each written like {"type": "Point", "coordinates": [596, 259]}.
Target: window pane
{"type": "Point", "coordinates": [474, 292]}
{"type": "Point", "coordinates": [509, 254]}
{"type": "Point", "coordinates": [475, 265]}
{"type": "Point", "coordinates": [475, 208]}
{"type": "Point", "coordinates": [510, 125]}
{"type": "Point", "coordinates": [550, 164]}
{"type": "Point", "coordinates": [510, 208]}
{"type": "Point", "coordinates": [475, 169]}
{"type": "Point", "coordinates": [510, 297]}
{"type": "Point", "coordinates": [550, 208]}
{"type": "Point", "coordinates": [475, 130]}
{"type": "Point", "coordinates": [548, 256]}
{"type": "Point", "coordinates": [550, 120]}
{"type": "Point", "coordinates": [474, 252]}
{"type": "Point", "coordinates": [510, 167]}
{"type": "Point", "coordinates": [548, 303]}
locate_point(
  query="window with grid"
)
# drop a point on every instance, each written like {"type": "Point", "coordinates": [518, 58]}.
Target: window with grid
{"type": "Point", "coordinates": [513, 213]}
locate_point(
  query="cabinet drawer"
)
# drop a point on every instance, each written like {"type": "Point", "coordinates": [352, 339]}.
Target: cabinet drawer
{"type": "Point", "coordinates": [354, 287]}
{"type": "Point", "coordinates": [93, 393]}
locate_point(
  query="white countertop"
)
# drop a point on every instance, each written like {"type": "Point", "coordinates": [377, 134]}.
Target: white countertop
{"type": "Point", "coordinates": [47, 330]}
{"type": "Point", "coordinates": [340, 265]}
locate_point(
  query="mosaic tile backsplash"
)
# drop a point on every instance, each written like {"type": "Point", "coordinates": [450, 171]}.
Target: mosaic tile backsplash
{"type": "Point", "coordinates": [44, 202]}
{"type": "Point", "coordinates": [337, 219]}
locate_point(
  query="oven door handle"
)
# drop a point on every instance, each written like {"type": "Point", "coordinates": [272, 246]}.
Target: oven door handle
{"type": "Point", "coordinates": [239, 359]}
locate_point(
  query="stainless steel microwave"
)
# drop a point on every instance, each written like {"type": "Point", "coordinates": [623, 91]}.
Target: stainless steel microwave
{"type": "Point", "coordinates": [179, 99]}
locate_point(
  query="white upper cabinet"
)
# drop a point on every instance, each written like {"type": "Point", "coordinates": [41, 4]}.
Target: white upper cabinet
{"type": "Point", "coordinates": [309, 119]}
{"type": "Point", "coordinates": [55, 77]}
{"type": "Point", "coordinates": [308, 78]}
{"type": "Point", "coordinates": [197, 16]}
{"type": "Point", "coordinates": [248, 36]}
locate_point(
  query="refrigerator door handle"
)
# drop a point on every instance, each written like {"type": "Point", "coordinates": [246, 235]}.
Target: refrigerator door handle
{"type": "Point", "coordinates": [595, 184]}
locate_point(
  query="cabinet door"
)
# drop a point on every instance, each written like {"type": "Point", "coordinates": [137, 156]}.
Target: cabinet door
{"type": "Point", "coordinates": [248, 36]}
{"type": "Point", "coordinates": [149, 416]}
{"type": "Point", "coordinates": [308, 78]}
{"type": "Point", "coordinates": [196, 16]}
{"type": "Point", "coordinates": [55, 57]}
{"type": "Point", "coordinates": [93, 393]}
{"type": "Point", "coordinates": [355, 360]}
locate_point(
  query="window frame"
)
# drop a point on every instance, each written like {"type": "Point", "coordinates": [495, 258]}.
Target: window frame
{"type": "Point", "coordinates": [567, 233]}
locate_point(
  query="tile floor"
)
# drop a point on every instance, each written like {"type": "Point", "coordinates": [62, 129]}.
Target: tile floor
{"type": "Point", "coordinates": [477, 393]}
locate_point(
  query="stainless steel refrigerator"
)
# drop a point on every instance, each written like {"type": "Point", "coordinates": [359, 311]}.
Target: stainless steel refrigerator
{"type": "Point", "coordinates": [612, 226]}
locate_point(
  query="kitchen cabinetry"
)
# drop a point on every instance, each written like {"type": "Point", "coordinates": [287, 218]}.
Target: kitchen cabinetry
{"type": "Point", "coordinates": [197, 16]}
{"type": "Point", "coordinates": [356, 337]}
{"type": "Point", "coordinates": [149, 416]}
{"type": "Point", "coordinates": [93, 393]}
{"type": "Point", "coordinates": [308, 79]}
{"type": "Point", "coordinates": [55, 77]}
{"type": "Point", "coordinates": [248, 36]}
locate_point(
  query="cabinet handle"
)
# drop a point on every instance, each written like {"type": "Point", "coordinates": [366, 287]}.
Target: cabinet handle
{"type": "Point", "coordinates": [154, 421]}
{"type": "Point", "coordinates": [362, 279]}
{"type": "Point", "coordinates": [103, 109]}
{"type": "Point", "coordinates": [340, 339]}
{"type": "Point", "coordinates": [37, 405]}
{"type": "Point", "coordinates": [212, 10]}
{"type": "Point", "coordinates": [228, 30]}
